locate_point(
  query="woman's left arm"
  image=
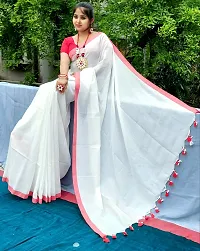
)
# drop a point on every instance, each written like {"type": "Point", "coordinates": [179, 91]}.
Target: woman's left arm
{"type": "Point", "coordinates": [62, 82]}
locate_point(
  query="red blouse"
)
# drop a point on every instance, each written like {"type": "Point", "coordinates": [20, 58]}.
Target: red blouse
{"type": "Point", "coordinates": [67, 45]}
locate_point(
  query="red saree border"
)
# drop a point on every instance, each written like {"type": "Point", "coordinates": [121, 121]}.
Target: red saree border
{"type": "Point", "coordinates": [47, 199]}
{"type": "Point", "coordinates": [152, 222]}
{"type": "Point", "coordinates": [149, 83]}
{"type": "Point", "coordinates": [74, 164]}
{"type": "Point", "coordinates": [64, 195]}
{"type": "Point", "coordinates": [67, 196]}
{"type": "Point", "coordinates": [174, 229]}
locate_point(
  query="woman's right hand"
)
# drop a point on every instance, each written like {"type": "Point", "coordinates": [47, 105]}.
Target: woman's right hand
{"type": "Point", "coordinates": [61, 85]}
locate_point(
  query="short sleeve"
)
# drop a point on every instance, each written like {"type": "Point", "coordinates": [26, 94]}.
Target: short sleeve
{"type": "Point", "coordinates": [65, 46]}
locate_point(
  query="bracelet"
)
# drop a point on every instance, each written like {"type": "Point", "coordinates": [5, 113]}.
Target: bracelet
{"type": "Point", "coordinates": [63, 76]}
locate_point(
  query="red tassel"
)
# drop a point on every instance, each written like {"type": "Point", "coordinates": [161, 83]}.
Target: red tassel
{"type": "Point", "coordinates": [140, 223]}
{"type": "Point", "coordinates": [152, 216]}
{"type": "Point", "coordinates": [195, 123]}
{"type": "Point", "coordinates": [114, 236]}
{"type": "Point", "coordinates": [171, 183]}
{"type": "Point", "coordinates": [160, 201]}
{"type": "Point", "coordinates": [184, 151]}
{"type": "Point", "coordinates": [131, 228]}
{"type": "Point", "coordinates": [189, 140]}
{"type": "Point", "coordinates": [105, 239]}
{"type": "Point", "coordinates": [167, 193]}
{"type": "Point", "coordinates": [125, 234]}
{"type": "Point", "coordinates": [175, 174]}
{"type": "Point", "coordinates": [147, 217]}
{"type": "Point", "coordinates": [157, 210]}
{"type": "Point", "coordinates": [178, 162]}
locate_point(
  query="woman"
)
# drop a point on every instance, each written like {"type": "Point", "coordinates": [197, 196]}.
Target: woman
{"type": "Point", "coordinates": [127, 134]}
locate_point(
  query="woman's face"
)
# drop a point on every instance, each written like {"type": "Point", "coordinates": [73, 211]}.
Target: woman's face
{"type": "Point", "coordinates": [80, 21]}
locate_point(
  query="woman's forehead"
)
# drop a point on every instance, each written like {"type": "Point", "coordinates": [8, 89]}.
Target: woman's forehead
{"type": "Point", "coordinates": [80, 11]}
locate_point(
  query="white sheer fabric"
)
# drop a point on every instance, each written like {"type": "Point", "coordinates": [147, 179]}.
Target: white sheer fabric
{"type": "Point", "coordinates": [127, 137]}
{"type": "Point", "coordinates": [38, 155]}
{"type": "Point", "coordinates": [133, 135]}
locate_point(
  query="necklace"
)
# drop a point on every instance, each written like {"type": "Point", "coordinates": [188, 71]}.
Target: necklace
{"type": "Point", "coordinates": [81, 61]}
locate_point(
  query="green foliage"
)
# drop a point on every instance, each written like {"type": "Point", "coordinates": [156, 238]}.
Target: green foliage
{"type": "Point", "coordinates": [29, 79]}
{"type": "Point", "coordinates": [29, 24]}
{"type": "Point", "coordinates": [161, 39]}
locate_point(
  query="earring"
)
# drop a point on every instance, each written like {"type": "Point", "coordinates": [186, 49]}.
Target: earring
{"type": "Point", "coordinates": [91, 28]}
{"type": "Point", "coordinates": [75, 28]}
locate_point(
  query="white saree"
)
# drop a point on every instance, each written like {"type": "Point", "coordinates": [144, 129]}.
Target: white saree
{"type": "Point", "coordinates": [127, 137]}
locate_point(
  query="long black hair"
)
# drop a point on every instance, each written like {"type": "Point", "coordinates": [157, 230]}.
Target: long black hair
{"type": "Point", "coordinates": [87, 9]}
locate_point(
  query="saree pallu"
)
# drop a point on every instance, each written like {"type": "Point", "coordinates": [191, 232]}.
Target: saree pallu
{"type": "Point", "coordinates": [127, 136]}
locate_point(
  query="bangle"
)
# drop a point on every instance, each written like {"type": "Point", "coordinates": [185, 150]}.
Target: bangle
{"type": "Point", "coordinates": [63, 76]}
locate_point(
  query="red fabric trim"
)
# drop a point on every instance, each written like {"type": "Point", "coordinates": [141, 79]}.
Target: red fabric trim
{"type": "Point", "coordinates": [174, 229]}
{"type": "Point", "coordinates": [25, 196]}
{"type": "Point", "coordinates": [74, 165]}
{"type": "Point", "coordinates": [152, 222]}
{"type": "Point", "coordinates": [146, 81]}
{"type": "Point", "coordinates": [68, 197]}
{"type": "Point", "coordinates": [64, 195]}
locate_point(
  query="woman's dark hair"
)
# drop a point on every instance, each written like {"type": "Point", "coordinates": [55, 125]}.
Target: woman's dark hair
{"type": "Point", "coordinates": [86, 8]}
